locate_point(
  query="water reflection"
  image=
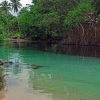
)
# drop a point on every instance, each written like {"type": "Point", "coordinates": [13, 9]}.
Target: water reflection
{"type": "Point", "coordinates": [92, 51]}
{"type": "Point", "coordinates": [17, 81]}
{"type": "Point", "coordinates": [18, 86]}
{"type": "Point", "coordinates": [1, 78]}
{"type": "Point", "coordinates": [62, 77]}
{"type": "Point", "coordinates": [2, 84]}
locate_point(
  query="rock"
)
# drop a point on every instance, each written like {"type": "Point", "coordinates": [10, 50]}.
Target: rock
{"type": "Point", "coordinates": [8, 62]}
{"type": "Point", "coordinates": [35, 66]}
{"type": "Point", "coordinates": [5, 62]}
{"type": "Point", "coordinates": [1, 62]}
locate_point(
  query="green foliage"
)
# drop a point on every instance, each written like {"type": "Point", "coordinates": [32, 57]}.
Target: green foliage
{"type": "Point", "coordinates": [78, 14]}
{"type": "Point", "coordinates": [52, 16]}
{"type": "Point", "coordinates": [45, 17]}
{"type": "Point", "coordinates": [1, 29]}
{"type": "Point", "coordinates": [5, 5]}
{"type": "Point", "coordinates": [13, 25]}
{"type": "Point", "coordinates": [3, 36]}
{"type": "Point", "coordinates": [24, 21]}
{"type": "Point", "coordinates": [17, 34]}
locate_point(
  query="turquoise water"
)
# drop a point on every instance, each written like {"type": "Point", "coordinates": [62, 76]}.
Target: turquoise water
{"type": "Point", "coordinates": [61, 77]}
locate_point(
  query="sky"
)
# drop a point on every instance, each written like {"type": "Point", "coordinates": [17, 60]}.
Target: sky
{"type": "Point", "coordinates": [23, 2]}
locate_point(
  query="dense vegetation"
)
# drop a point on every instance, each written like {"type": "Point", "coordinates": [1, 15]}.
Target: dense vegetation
{"type": "Point", "coordinates": [73, 21]}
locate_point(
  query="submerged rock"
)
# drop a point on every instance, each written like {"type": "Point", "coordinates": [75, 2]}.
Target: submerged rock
{"type": "Point", "coordinates": [9, 63]}
{"type": "Point", "coordinates": [5, 62]}
{"type": "Point", "coordinates": [35, 66]}
{"type": "Point", "coordinates": [1, 62]}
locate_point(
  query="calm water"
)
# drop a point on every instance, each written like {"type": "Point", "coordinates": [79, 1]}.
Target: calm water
{"type": "Point", "coordinates": [63, 75]}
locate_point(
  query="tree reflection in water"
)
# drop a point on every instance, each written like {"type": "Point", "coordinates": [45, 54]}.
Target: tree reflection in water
{"type": "Point", "coordinates": [2, 84]}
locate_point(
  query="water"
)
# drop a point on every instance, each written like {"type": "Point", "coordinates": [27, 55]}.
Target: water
{"type": "Point", "coordinates": [62, 75]}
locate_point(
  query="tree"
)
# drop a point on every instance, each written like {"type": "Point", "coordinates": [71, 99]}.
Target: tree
{"type": "Point", "coordinates": [16, 5]}
{"type": "Point", "coordinates": [5, 5]}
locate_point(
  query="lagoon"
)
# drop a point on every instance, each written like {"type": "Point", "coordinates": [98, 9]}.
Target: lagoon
{"type": "Point", "coordinates": [63, 75]}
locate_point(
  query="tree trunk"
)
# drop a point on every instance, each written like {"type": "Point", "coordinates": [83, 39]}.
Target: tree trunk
{"type": "Point", "coordinates": [83, 34]}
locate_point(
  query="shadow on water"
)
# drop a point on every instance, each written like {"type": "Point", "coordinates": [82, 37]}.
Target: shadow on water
{"type": "Point", "coordinates": [76, 50]}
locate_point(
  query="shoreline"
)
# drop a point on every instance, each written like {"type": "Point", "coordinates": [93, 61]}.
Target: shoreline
{"type": "Point", "coordinates": [49, 42]}
{"type": "Point", "coordinates": [18, 40]}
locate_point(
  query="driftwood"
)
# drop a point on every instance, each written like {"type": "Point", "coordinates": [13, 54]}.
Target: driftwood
{"type": "Point", "coordinates": [9, 63]}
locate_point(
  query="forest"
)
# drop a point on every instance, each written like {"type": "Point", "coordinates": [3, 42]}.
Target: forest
{"type": "Point", "coordinates": [62, 21]}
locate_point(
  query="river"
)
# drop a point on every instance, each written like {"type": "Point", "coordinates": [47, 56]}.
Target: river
{"type": "Point", "coordinates": [65, 73]}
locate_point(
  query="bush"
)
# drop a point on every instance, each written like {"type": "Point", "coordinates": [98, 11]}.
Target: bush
{"type": "Point", "coordinates": [77, 15]}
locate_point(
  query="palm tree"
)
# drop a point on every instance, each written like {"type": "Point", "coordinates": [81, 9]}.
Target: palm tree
{"type": "Point", "coordinates": [5, 5]}
{"type": "Point", "coordinates": [16, 5]}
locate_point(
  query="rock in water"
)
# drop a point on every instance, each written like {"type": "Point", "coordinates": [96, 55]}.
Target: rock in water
{"type": "Point", "coordinates": [1, 62]}
{"type": "Point", "coordinates": [5, 62]}
{"type": "Point", "coordinates": [35, 66]}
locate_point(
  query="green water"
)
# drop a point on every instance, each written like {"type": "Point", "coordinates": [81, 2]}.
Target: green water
{"type": "Point", "coordinates": [61, 77]}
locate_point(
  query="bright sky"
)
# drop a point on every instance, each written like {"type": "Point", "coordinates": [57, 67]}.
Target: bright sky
{"type": "Point", "coordinates": [23, 2]}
